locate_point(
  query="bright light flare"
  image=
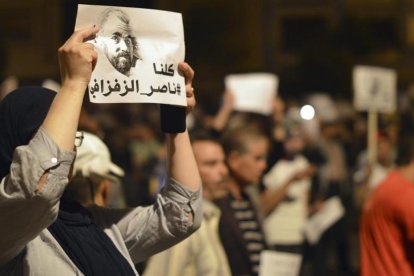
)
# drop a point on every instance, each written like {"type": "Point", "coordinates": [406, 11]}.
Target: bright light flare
{"type": "Point", "coordinates": [307, 112]}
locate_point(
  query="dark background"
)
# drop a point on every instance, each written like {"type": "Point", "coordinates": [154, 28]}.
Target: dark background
{"type": "Point", "coordinates": [311, 45]}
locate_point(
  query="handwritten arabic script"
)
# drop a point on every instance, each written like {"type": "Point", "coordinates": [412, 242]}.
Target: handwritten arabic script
{"type": "Point", "coordinates": [164, 84]}
{"type": "Point", "coordinates": [108, 89]}
{"type": "Point", "coordinates": [164, 69]}
{"type": "Point", "coordinates": [171, 88]}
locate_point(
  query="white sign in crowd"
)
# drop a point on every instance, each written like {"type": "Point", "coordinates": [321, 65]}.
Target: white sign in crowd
{"type": "Point", "coordinates": [138, 55]}
{"type": "Point", "coordinates": [375, 89]}
{"type": "Point", "coordinates": [253, 92]}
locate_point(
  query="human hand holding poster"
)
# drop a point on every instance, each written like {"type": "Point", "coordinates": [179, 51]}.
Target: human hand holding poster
{"type": "Point", "coordinates": [253, 92]}
{"type": "Point", "coordinates": [138, 55]}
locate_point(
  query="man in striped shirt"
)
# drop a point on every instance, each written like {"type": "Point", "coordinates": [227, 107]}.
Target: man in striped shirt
{"type": "Point", "coordinates": [240, 229]}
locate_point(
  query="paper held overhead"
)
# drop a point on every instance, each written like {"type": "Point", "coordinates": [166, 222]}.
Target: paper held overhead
{"type": "Point", "coordinates": [138, 55]}
{"type": "Point", "coordinates": [375, 89]}
{"type": "Point", "coordinates": [253, 92]}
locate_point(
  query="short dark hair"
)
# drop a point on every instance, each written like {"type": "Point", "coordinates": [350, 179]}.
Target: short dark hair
{"type": "Point", "coordinates": [236, 139]}
{"type": "Point", "coordinates": [203, 135]}
{"type": "Point", "coordinates": [83, 188]}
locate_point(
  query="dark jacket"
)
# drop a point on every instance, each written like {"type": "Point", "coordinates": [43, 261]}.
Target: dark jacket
{"type": "Point", "coordinates": [232, 238]}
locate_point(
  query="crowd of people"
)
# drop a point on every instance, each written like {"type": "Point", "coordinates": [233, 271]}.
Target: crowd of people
{"type": "Point", "coordinates": [100, 190]}
{"type": "Point", "coordinates": [272, 173]}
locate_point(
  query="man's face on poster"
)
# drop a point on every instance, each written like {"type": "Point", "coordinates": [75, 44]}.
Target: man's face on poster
{"type": "Point", "coordinates": [119, 45]}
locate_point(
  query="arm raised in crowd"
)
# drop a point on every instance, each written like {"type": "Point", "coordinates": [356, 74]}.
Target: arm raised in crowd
{"type": "Point", "coordinates": [39, 169]}
{"type": "Point", "coordinates": [77, 60]}
{"type": "Point", "coordinates": [177, 211]}
{"type": "Point", "coordinates": [181, 162]}
{"type": "Point", "coordinates": [223, 115]}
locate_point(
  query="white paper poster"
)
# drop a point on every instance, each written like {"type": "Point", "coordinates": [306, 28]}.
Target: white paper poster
{"type": "Point", "coordinates": [274, 263]}
{"type": "Point", "coordinates": [253, 92]}
{"type": "Point", "coordinates": [375, 89]}
{"type": "Point", "coordinates": [318, 223]}
{"type": "Point", "coordinates": [138, 55]}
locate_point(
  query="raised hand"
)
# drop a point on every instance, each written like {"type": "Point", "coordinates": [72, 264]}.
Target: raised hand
{"type": "Point", "coordinates": [188, 75]}
{"type": "Point", "coordinates": [77, 58]}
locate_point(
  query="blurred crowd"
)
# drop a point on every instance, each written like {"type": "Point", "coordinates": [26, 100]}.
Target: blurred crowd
{"type": "Point", "coordinates": [274, 173]}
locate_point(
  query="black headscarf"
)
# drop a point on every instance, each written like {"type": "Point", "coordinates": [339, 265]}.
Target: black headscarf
{"type": "Point", "coordinates": [21, 114]}
{"type": "Point", "coordinates": [90, 249]}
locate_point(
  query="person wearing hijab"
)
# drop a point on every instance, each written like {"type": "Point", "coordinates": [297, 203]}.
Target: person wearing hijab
{"type": "Point", "coordinates": [43, 231]}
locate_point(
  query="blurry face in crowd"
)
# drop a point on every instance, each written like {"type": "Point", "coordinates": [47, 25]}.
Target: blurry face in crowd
{"type": "Point", "coordinates": [385, 152]}
{"type": "Point", "coordinates": [119, 44]}
{"type": "Point", "coordinates": [213, 170]}
{"type": "Point", "coordinates": [248, 167]}
{"type": "Point", "coordinates": [294, 143]}
{"type": "Point", "coordinates": [278, 110]}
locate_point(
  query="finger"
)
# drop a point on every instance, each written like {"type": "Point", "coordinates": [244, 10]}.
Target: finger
{"type": "Point", "coordinates": [187, 71]}
{"type": "Point", "coordinates": [190, 92]}
{"type": "Point", "coordinates": [83, 52]}
{"type": "Point", "coordinates": [83, 34]}
{"type": "Point", "coordinates": [191, 103]}
{"type": "Point", "coordinates": [84, 49]}
{"type": "Point", "coordinates": [89, 46]}
{"type": "Point", "coordinates": [94, 56]}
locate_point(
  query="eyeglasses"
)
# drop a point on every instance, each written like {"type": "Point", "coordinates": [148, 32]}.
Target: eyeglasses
{"type": "Point", "coordinates": [78, 138]}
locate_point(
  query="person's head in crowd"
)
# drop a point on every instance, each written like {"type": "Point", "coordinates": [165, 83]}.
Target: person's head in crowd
{"type": "Point", "coordinates": [294, 142]}
{"type": "Point", "coordinates": [278, 112]}
{"type": "Point", "coordinates": [119, 43]}
{"type": "Point", "coordinates": [386, 149]}
{"type": "Point", "coordinates": [211, 160]}
{"type": "Point", "coordinates": [330, 129]}
{"type": "Point", "coordinates": [246, 151]}
{"type": "Point", "coordinates": [96, 177]}
{"type": "Point", "coordinates": [21, 114]}
{"type": "Point", "coordinates": [405, 153]}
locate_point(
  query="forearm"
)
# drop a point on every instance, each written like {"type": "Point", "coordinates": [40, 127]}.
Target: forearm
{"type": "Point", "coordinates": [181, 162]}
{"type": "Point", "coordinates": [149, 230]}
{"type": "Point", "coordinates": [271, 198]}
{"type": "Point", "coordinates": [77, 60]}
{"type": "Point", "coordinates": [27, 209]}
{"type": "Point", "coordinates": [62, 119]}
{"type": "Point", "coordinates": [221, 119]}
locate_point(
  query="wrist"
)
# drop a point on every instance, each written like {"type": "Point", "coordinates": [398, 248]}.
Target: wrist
{"type": "Point", "coordinates": [227, 109]}
{"type": "Point", "coordinates": [74, 86]}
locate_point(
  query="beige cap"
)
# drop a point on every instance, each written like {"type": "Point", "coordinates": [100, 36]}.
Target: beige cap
{"type": "Point", "coordinates": [93, 157]}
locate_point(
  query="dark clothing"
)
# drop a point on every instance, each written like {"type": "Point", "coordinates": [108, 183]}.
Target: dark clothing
{"type": "Point", "coordinates": [233, 237]}
{"type": "Point", "coordinates": [21, 114]}
{"type": "Point", "coordinates": [87, 246]}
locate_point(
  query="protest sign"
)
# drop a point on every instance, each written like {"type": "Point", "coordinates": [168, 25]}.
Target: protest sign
{"type": "Point", "coordinates": [375, 89]}
{"type": "Point", "coordinates": [253, 92]}
{"type": "Point", "coordinates": [138, 55]}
